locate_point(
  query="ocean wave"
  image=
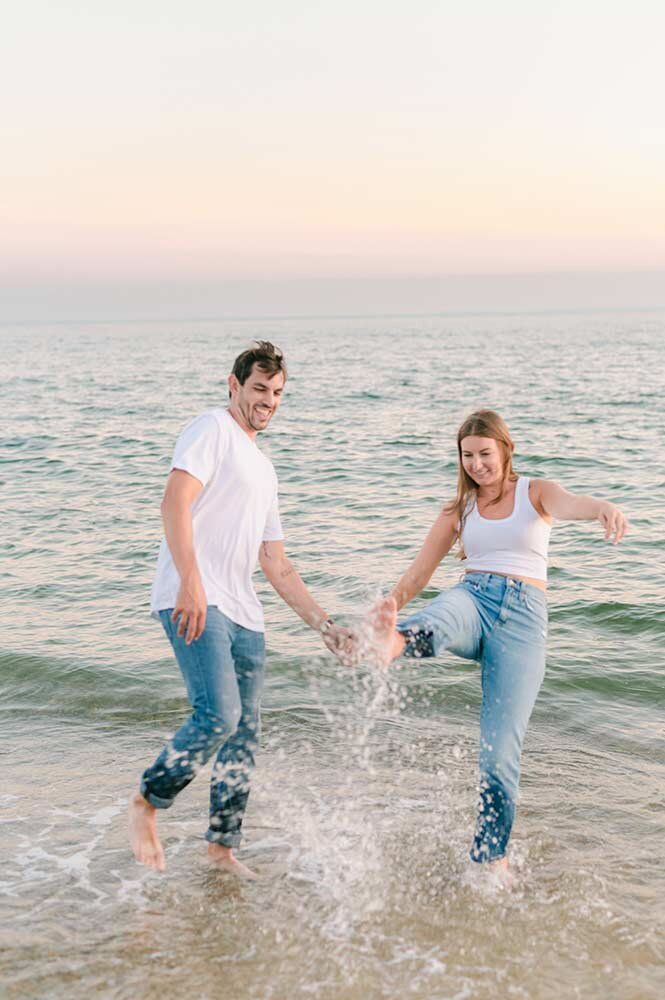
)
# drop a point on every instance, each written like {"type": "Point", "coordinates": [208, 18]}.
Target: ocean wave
{"type": "Point", "coordinates": [54, 686]}
{"type": "Point", "coordinates": [616, 616]}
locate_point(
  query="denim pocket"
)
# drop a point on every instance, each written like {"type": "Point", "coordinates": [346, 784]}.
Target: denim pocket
{"type": "Point", "coordinates": [535, 600]}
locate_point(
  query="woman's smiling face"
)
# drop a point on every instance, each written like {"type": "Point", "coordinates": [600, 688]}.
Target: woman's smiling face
{"type": "Point", "coordinates": [482, 460]}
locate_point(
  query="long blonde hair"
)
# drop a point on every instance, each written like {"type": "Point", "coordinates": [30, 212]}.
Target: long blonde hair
{"type": "Point", "coordinates": [487, 424]}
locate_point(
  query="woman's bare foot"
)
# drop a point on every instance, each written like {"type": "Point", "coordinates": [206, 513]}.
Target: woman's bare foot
{"type": "Point", "coordinates": [143, 833]}
{"type": "Point", "coordinates": [384, 642]}
{"type": "Point", "coordinates": [224, 858]}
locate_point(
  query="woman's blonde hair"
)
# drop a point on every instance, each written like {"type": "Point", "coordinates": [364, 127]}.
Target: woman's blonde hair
{"type": "Point", "coordinates": [487, 424]}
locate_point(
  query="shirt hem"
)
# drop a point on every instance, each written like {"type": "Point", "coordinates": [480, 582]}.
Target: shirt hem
{"type": "Point", "coordinates": [237, 619]}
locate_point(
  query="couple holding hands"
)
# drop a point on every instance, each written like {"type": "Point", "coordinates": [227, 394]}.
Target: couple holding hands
{"type": "Point", "coordinates": [220, 514]}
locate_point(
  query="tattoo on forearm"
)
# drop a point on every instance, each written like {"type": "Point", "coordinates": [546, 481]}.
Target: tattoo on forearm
{"type": "Point", "coordinates": [266, 553]}
{"type": "Point", "coordinates": [287, 572]}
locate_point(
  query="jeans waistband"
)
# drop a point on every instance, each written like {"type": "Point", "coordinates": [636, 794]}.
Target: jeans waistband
{"type": "Point", "coordinates": [482, 581]}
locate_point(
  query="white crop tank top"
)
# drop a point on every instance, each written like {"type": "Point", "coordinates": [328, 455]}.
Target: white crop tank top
{"type": "Point", "coordinates": [515, 545]}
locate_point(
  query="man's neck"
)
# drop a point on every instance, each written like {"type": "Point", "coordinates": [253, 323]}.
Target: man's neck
{"type": "Point", "coordinates": [241, 422]}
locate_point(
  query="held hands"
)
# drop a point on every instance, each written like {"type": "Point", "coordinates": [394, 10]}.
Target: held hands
{"type": "Point", "coordinates": [613, 521]}
{"type": "Point", "coordinates": [376, 641]}
{"type": "Point", "coordinates": [339, 640]}
{"type": "Point", "coordinates": [191, 608]}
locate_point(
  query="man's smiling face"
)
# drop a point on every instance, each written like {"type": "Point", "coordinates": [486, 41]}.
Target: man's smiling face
{"type": "Point", "coordinates": [257, 399]}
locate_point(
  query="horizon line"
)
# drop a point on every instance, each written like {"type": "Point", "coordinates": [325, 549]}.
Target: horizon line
{"type": "Point", "coordinates": [247, 318]}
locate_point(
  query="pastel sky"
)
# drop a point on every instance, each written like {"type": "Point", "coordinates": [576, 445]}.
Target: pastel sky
{"type": "Point", "coordinates": [158, 140]}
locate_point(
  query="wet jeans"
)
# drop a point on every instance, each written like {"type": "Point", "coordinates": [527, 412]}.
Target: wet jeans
{"type": "Point", "coordinates": [223, 671]}
{"type": "Point", "coordinates": [502, 623]}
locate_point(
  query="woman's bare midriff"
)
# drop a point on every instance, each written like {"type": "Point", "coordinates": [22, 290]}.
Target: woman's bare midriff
{"type": "Point", "coordinates": [525, 579]}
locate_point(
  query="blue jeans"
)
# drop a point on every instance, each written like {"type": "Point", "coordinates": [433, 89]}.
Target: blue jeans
{"type": "Point", "coordinates": [502, 623]}
{"type": "Point", "coordinates": [223, 671]}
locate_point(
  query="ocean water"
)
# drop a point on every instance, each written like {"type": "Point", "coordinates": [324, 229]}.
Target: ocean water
{"type": "Point", "coordinates": [364, 796]}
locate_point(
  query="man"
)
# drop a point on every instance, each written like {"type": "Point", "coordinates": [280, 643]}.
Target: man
{"type": "Point", "coordinates": [220, 514]}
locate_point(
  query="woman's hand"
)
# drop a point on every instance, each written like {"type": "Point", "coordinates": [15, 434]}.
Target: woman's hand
{"type": "Point", "coordinates": [613, 521]}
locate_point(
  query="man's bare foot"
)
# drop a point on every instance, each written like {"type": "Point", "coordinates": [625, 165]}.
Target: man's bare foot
{"type": "Point", "coordinates": [223, 858]}
{"type": "Point", "coordinates": [383, 641]}
{"type": "Point", "coordinates": [501, 873]}
{"type": "Point", "coordinates": [143, 833]}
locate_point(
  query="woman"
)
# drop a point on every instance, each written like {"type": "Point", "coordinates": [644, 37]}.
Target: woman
{"type": "Point", "coordinates": [497, 614]}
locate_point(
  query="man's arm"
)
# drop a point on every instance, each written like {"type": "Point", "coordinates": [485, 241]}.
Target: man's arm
{"type": "Point", "coordinates": [437, 545]}
{"type": "Point", "coordinates": [283, 576]}
{"type": "Point", "coordinates": [565, 506]}
{"type": "Point", "coordinates": [181, 491]}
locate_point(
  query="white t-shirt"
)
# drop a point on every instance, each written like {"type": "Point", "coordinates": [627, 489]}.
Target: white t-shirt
{"type": "Point", "coordinates": [234, 512]}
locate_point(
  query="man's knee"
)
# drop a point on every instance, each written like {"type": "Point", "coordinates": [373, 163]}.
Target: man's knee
{"type": "Point", "coordinates": [219, 725]}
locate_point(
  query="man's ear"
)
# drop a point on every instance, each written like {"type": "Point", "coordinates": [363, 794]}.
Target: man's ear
{"type": "Point", "coordinates": [234, 384]}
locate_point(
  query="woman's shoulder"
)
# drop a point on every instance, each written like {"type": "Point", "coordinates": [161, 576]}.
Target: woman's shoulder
{"type": "Point", "coordinates": [538, 486]}
{"type": "Point", "coordinates": [449, 517]}
{"type": "Point", "coordinates": [537, 491]}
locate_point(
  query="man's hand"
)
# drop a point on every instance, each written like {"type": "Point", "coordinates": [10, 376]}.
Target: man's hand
{"type": "Point", "coordinates": [340, 641]}
{"type": "Point", "coordinates": [613, 521]}
{"type": "Point", "coordinates": [191, 608]}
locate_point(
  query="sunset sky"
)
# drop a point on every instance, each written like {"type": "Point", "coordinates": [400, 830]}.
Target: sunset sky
{"type": "Point", "coordinates": [151, 142]}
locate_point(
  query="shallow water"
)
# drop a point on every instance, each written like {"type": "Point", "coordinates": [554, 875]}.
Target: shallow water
{"type": "Point", "coordinates": [363, 800]}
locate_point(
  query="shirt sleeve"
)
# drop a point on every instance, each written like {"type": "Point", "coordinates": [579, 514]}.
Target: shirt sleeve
{"type": "Point", "coordinates": [273, 528]}
{"type": "Point", "coordinates": [197, 450]}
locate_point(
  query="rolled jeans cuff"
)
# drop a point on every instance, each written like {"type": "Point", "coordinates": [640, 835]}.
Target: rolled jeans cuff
{"type": "Point", "coordinates": [484, 856]}
{"type": "Point", "coordinates": [419, 640]}
{"type": "Point", "coordinates": [153, 799]}
{"type": "Point", "coordinates": [225, 839]}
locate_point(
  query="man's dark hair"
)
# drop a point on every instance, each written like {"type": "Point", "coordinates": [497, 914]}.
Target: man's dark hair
{"type": "Point", "coordinates": [264, 355]}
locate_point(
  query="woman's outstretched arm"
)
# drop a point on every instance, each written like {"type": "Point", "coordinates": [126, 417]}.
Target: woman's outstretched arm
{"type": "Point", "coordinates": [437, 545]}
{"type": "Point", "coordinates": [565, 506]}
